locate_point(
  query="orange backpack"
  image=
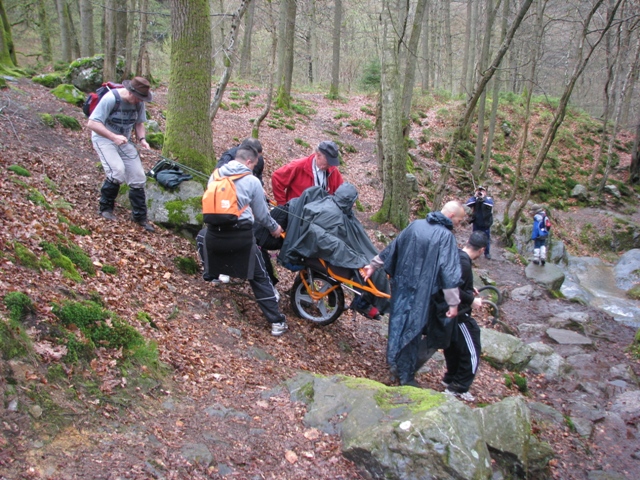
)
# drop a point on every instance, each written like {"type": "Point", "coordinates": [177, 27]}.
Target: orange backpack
{"type": "Point", "coordinates": [220, 201]}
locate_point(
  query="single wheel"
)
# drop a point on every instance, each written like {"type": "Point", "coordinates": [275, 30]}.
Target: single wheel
{"type": "Point", "coordinates": [491, 293]}
{"type": "Point", "coordinates": [323, 311]}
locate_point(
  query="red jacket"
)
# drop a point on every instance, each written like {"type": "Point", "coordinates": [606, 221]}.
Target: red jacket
{"type": "Point", "coordinates": [290, 180]}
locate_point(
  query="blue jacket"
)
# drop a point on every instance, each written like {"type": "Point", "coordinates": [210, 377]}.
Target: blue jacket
{"type": "Point", "coordinates": [539, 228]}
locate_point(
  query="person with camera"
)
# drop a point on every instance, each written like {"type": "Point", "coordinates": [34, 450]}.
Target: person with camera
{"type": "Point", "coordinates": [481, 207]}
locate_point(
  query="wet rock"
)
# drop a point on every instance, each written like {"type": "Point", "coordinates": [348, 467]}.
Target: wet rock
{"type": "Point", "coordinates": [13, 405]}
{"type": "Point", "coordinates": [627, 270]}
{"type": "Point", "coordinates": [522, 294]}
{"type": "Point", "coordinates": [546, 361]}
{"type": "Point", "coordinates": [549, 275]}
{"type": "Point", "coordinates": [532, 328]}
{"type": "Point", "coordinates": [224, 469]}
{"type": "Point", "coordinates": [542, 412]}
{"type": "Point", "coordinates": [260, 354]}
{"type": "Point", "coordinates": [180, 208]}
{"type": "Point", "coordinates": [602, 475]}
{"type": "Point", "coordinates": [567, 337]}
{"type": "Point", "coordinates": [557, 251]}
{"type": "Point", "coordinates": [502, 349]}
{"type": "Point", "coordinates": [583, 427]}
{"type": "Point", "coordinates": [614, 388]}
{"type": "Point", "coordinates": [577, 317]}
{"type": "Point", "coordinates": [585, 408]}
{"type": "Point", "coordinates": [622, 371]}
{"type": "Point", "coordinates": [627, 406]}
{"type": "Point", "coordinates": [197, 453]}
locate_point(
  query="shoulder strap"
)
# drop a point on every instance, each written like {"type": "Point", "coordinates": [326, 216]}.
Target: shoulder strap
{"type": "Point", "coordinates": [117, 97]}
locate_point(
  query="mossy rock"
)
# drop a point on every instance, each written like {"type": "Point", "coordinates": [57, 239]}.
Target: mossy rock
{"type": "Point", "coordinates": [69, 94]}
{"type": "Point", "coordinates": [155, 140]}
{"type": "Point", "coordinates": [49, 80]}
{"type": "Point", "coordinates": [68, 122]}
{"type": "Point", "coordinates": [3, 83]}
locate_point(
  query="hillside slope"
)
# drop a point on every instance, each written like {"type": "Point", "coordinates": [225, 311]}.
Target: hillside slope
{"type": "Point", "coordinates": [221, 401]}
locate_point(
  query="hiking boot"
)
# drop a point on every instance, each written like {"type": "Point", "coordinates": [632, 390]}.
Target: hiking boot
{"type": "Point", "coordinates": [278, 329]}
{"type": "Point", "coordinates": [542, 261]}
{"type": "Point", "coordinates": [411, 383]}
{"type": "Point", "coordinates": [445, 383]}
{"type": "Point", "coordinates": [536, 261]}
{"type": "Point", "coordinates": [109, 215]}
{"type": "Point", "coordinates": [466, 396]}
{"type": "Point", "coordinates": [487, 256]}
{"type": "Point", "coordinates": [146, 225]}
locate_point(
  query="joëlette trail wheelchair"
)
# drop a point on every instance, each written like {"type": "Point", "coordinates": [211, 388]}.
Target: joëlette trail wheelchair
{"type": "Point", "coordinates": [317, 294]}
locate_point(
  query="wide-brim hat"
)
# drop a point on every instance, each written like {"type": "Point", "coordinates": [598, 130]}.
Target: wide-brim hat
{"type": "Point", "coordinates": [480, 187]}
{"type": "Point", "coordinates": [140, 87]}
{"type": "Point", "coordinates": [535, 208]}
{"type": "Point", "coordinates": [330, 151]}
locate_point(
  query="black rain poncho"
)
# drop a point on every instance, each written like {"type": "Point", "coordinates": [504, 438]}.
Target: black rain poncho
{"type": "Point", "coordinates": [421, 260]}
{"type": "Point", "coordinates": [327, 228]}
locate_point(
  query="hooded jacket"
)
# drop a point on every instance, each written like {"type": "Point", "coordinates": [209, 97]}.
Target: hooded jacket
{"type": "Point", "coordinates": [290, 180]}
{"type": "Point", "coordinates": [422, 260]}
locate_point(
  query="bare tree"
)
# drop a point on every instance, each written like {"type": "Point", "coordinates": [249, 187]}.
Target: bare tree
{"type": "Point", "coordinates": [143, 67]}
{"type": "Point", "coordinates": [228, 52]}
{"type": "Point", "coordinates": [471, 105]}
{"type": "Point", "coordinates": [109, 68]}
{"type": "Point", "coordinates": [44, 30]}
{"type": "Point", "coordinates": [65, 33]}
{"type": "Point", "coordinates": [7, 53]}
{"type": "Point", "coordinates": [582, 59]}
{"type": "Point", "coordinates": [286, 36]}
{"type": "Point", "coordinates": [245, 53]}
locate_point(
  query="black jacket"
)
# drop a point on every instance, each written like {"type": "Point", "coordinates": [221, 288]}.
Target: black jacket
{"type": "Point", "coordinates": [466, 286]}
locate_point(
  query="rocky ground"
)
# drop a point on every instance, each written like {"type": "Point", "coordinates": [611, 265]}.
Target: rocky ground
{"type": "Point", "coordinates": [221, 412]}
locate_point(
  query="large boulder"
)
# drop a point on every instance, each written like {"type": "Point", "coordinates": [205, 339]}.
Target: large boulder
{"type": "Point", "coordinates": [545, 360]}
{"type": "Point", "coordinates": [86, 73]}
{"type": "Point", "coordinates": [580, 192]}
{"type": "Point", "coordinates": [549, 275]}
{"type": "Point", "coordinates": [503, 350]}
{"type": "Point", "coordinates": [627, 270]}
{"type": "Point", "coordinates": [507, 430]}
{"type": "Point", "coordinates": [179, 209]}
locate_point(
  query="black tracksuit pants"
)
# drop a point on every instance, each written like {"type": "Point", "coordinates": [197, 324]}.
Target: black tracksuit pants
{"type": "Point", "coordinates": [463, 355]}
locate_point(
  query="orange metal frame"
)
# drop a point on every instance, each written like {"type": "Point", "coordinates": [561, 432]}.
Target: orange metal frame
{"type": "Point", "coordinates": [315, 295]}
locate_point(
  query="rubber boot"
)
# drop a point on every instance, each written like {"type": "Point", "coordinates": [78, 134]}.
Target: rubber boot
{"type": "Point", "coordinates": [543, 254]}
{"type": "Point", "coordinates": [108, 194]}
{"type": "Point", "coordinates": [536, 256]}
{"type": "Point", "coordinates": [139, 208]}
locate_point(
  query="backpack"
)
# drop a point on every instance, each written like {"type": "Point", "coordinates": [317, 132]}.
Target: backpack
{"type": "Point", "coordinates": [92, 100]}
{"type": "Point", "coordinates": [545, 224]}
{"type": "Point", "coordinates": [220, 201]}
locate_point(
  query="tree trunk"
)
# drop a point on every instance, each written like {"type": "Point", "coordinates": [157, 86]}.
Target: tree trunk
{"type": "Point", "coordinates": [87, 45]}
{"type": "Point", "coordinates": [448, 45]}
{"type": "Point", "coordinates": [128, 58]}
{"type": "Point", "coordinates": [188, 135]}
{"type": "Point", "coordinates": [6, 43]}
{"type": "Point", "coordinates": [121, 28]}
{"type": "Point", "coordinates": [286, 36]}
{"type": "Point", "coordinates": [143, 67]}
{"type": "Point", "coordinates": [245, 54]}
{"type": "Point", "coordinates": [228, 52]}
{"type": "Point", "coordinates": [75, 45]}
{"type": "Point", "coordinates": [410, 64]}
{"type": "Point", "coordinates": [334, 89]}
{"type": "Point", "coordinates": [609, 84]}
{"type": "Point", "coordinates": [465, 55]}
{"type": "Point", "coordinates": [495, 99]}
{"type": "Point", "coordinates": [255, 131]}
{"type": "Point", "coordinates": [65, 38]}
{"type": "Point", "coordinates": [475, 17]}
{"type": "Point", "coordinates": [634, 168]}
{"type": "Point", "coordinates": [618, 116]}
{"type": "Point", "coordinates": [471, 105]}
{"type": "Point", "coordinates": [484, 60]}
{"type": "Point", "coordinates": [395, 207]}
{"type": "Point", "coordinates": [109, 68]}
{"type": "Point", "coordinates": [530, 81]}
{"type": "Point", "coordinates": [426, 52]}
{"type": "Point", "coordinates": [45, 32]}
{"type": "Point", "coordinates": [558, 118]}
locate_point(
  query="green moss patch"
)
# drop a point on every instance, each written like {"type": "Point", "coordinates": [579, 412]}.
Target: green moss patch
{"type": "Point", "coordinates": [634, 292]}
{"type": "Point", "coordinates": [25, 257]}
{"type": "Point", "coordinates": [19, 305]}
{"type": "Point", "coordinates": [18, 170]}
{"type": "Point", "coordinates": [14, 342]}
{"type": "Point", "coordinates": [61, 261]}
{"type": "Point", "coordinates": [68, 122]}
{"type": "Point", "coordinates": [388, 398]}
{"type": "Point", "coordinates": [155, 140]}
{"type": "Point", "coordinates": [49, 80]}
{"type": "Point", "coordinates": [110, 269]}
{"type": "Point", "coordinates": [69, 94]}
{"type": "Point", "coordinates": [187, 265]}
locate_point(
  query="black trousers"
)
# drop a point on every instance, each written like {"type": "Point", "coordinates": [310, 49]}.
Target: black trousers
{"type": "Point", "coordinates": [463, 355]}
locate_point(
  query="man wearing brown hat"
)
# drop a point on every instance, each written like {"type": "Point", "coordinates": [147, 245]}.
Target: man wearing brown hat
{"type": "Point", "coordinates": [318, 169]}
{"type": "Point", "coordinates": [118, 113]}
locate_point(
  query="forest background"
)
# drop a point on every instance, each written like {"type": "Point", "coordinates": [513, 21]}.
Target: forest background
{"type": "Point", "coordinates": [583, 53]}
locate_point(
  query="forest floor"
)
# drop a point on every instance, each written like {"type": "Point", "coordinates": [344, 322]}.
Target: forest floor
{"type": "Point", "coordinates": [225, 387]}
